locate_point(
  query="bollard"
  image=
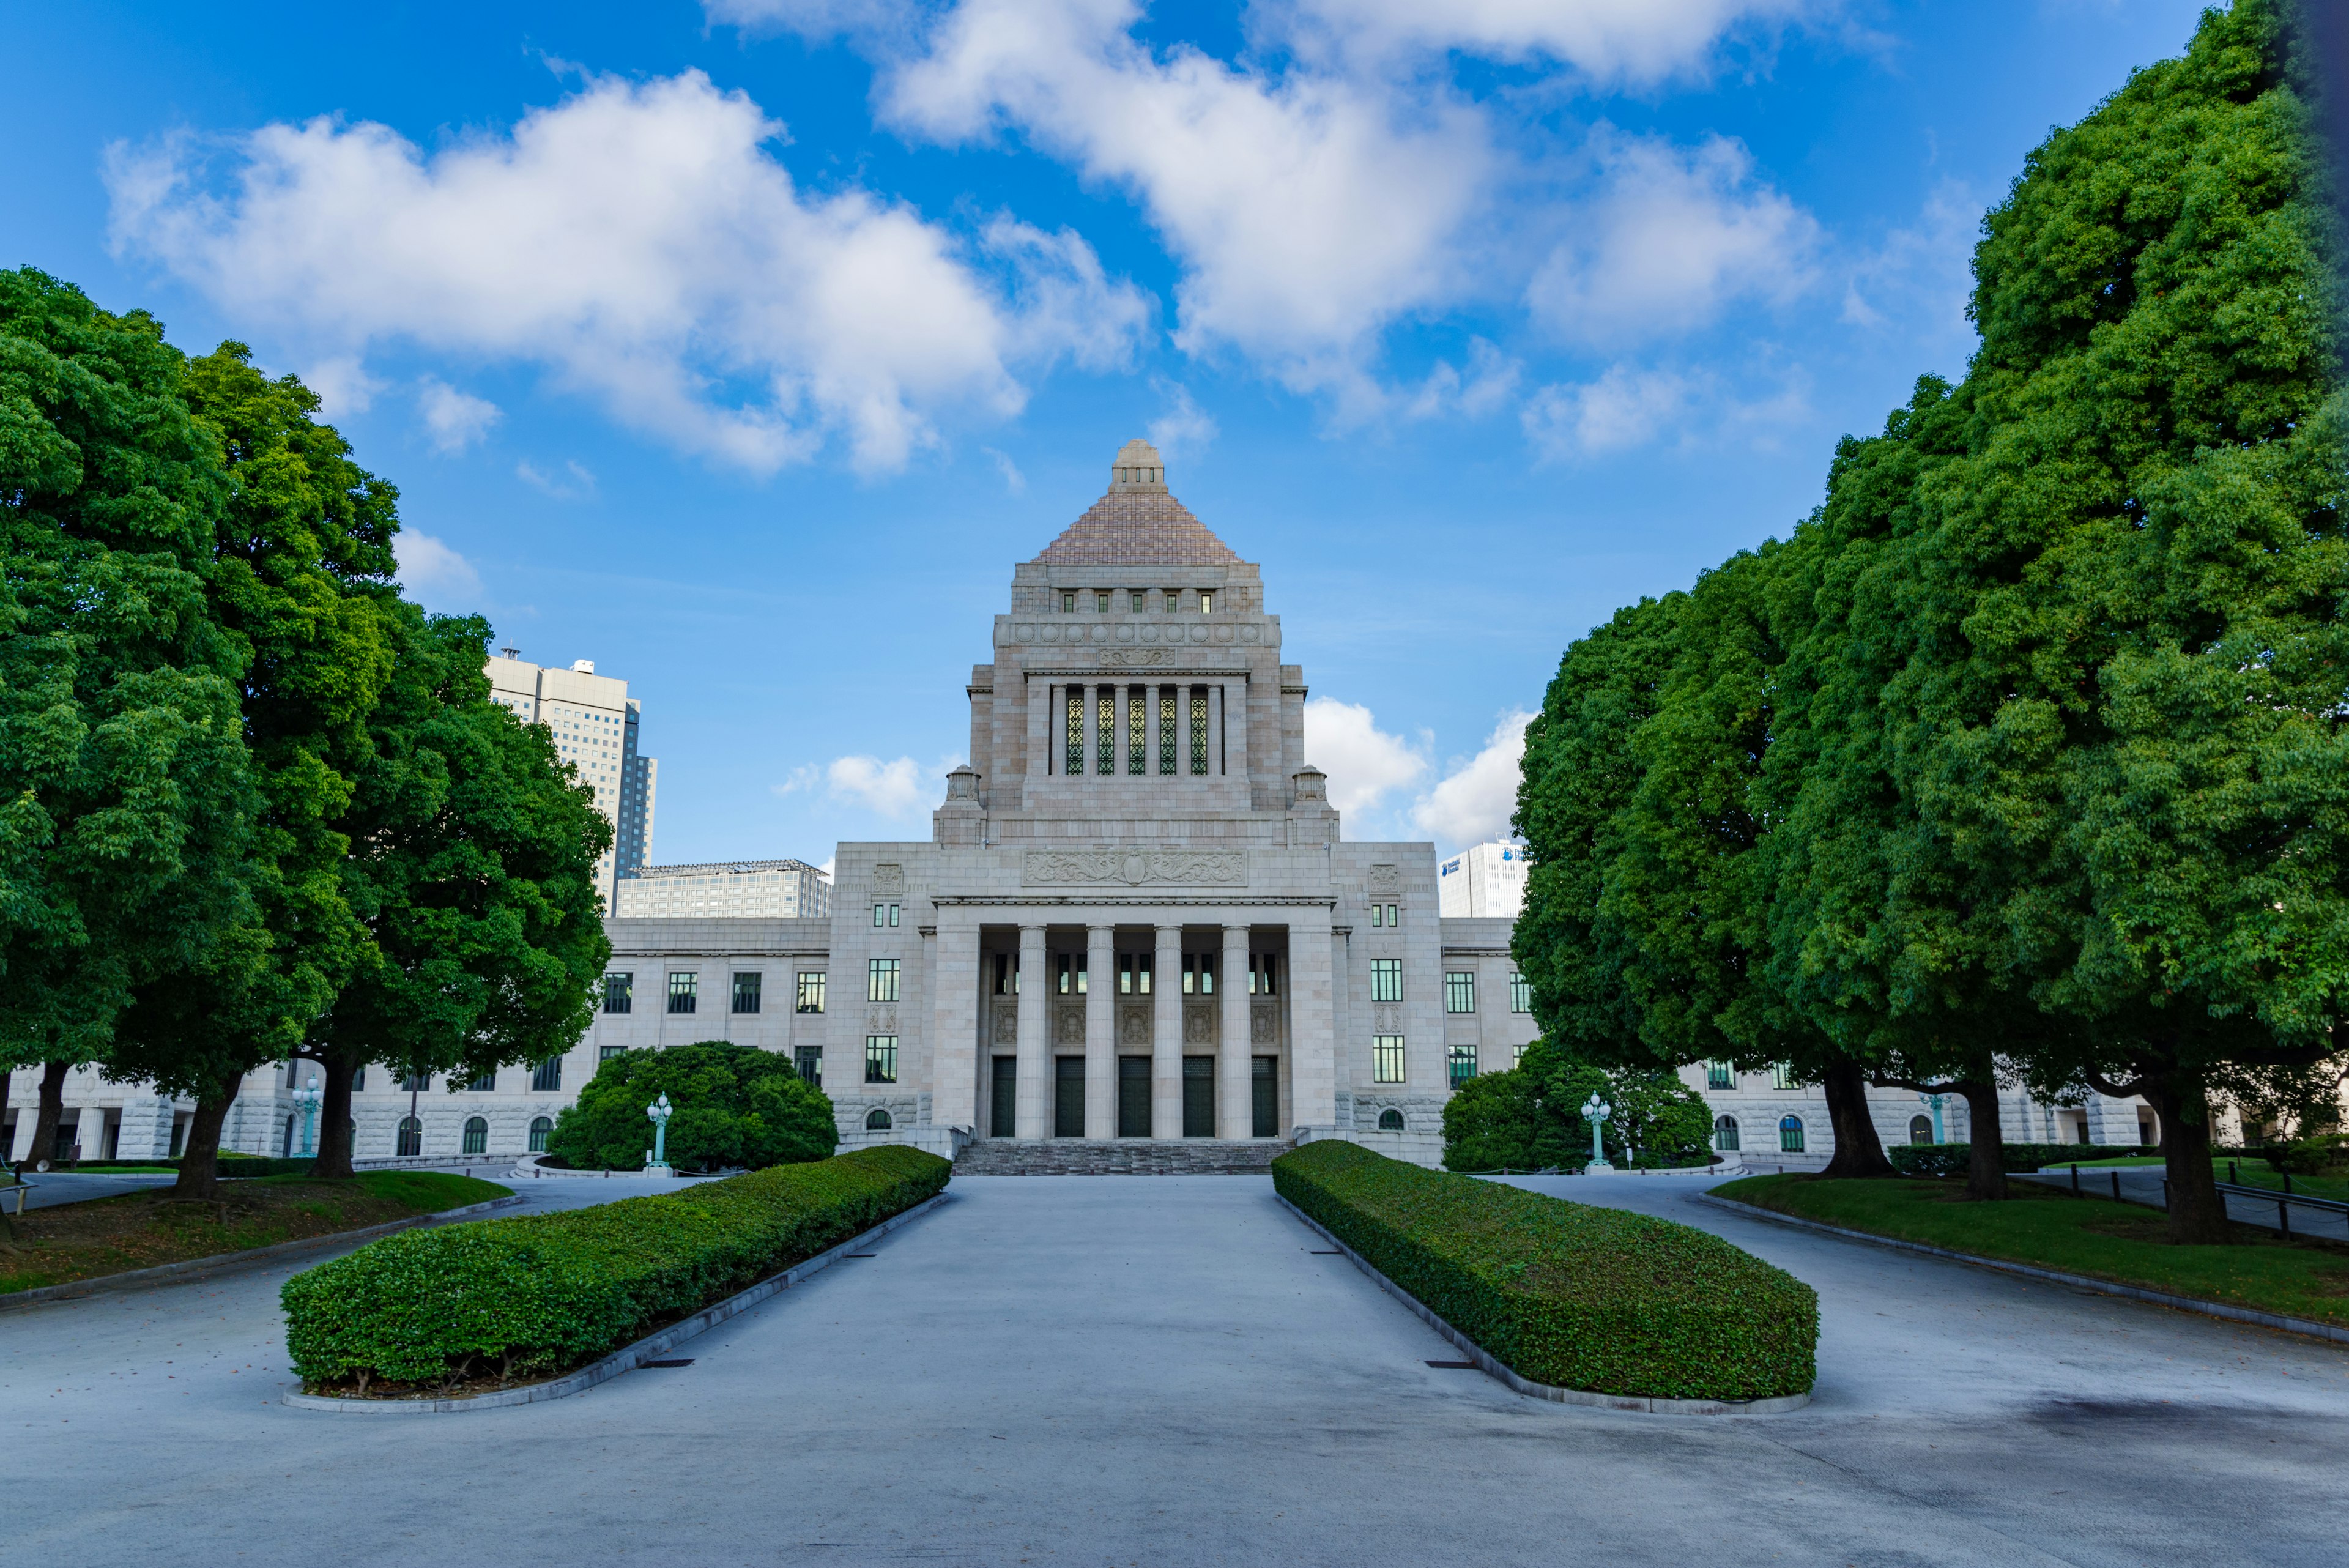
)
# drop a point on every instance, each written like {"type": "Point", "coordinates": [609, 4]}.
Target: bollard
{"type": "Point", "coordinates": [2076, 1179]}
{"type": "Point", "coordinates": [2284, 1217]}
{"type": "Point", "coordinates": [2116, 1187]}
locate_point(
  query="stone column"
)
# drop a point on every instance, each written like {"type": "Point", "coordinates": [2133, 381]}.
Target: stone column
{"type": "Point", "coordinates": [1314, 1051]}
{"type": "Point", "coordinates": [1100, 1032]}
{"type": "Point", "coordinates": [954, 1025]}
{"type": "Point", "coordinates": [1236, 728]}
{"type": "Point", "coordinates": [1233, 1118]}
{"type": "Point", "coordinates": [1040, 729]}
{"type": "Point", "coordinates": [1033, 1115]}
{"type": "Point", "coordinates": [1166, 1037]}
{"type": "Point", "coordinates": [1183, 751]}
{"type": "Point", "coordinates": [1214, 730]}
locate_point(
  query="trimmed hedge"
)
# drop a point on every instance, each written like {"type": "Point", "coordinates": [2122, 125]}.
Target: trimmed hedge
{"type": "Point", "coordinates": [1564, 1293]}
{"type": "Point", "coordinates": [1957, 1158]}
{"type": "Point", "coordinates": [540, 1294]}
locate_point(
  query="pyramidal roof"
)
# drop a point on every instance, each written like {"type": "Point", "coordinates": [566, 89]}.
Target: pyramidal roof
{"type": "Point", "coordinates": [1137, 522]}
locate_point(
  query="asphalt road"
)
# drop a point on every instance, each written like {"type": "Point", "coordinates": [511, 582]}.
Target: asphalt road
{"type": "Point", "coordinates": [1160, 1371]}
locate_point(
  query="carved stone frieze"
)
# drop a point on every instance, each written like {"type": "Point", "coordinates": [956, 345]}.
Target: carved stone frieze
{"type": "Point", "coordinates": [1385, 879]}
{"type": "Point", "coordinates": [889, 878]}
{"type": "Point", "coordinates": [1134, 1026]}
{"type": "Point", "coordinates": [1069, 1027]}
{"type": "Point", "coordinates": [881, 1021]}
{"type": "Point", "coordinates": [1264, 1024]}
{"type": "Point", "coordinates": [1134, 868]}
{"type": "Point", "coordinates": [1386, 1018]}
{"type": "Point", "coordinates": [1136, 657]}
{"type": "Point", "coordinates": [1198, 1026]}
{"type": "Point", "coordinates": [1007, 1021]}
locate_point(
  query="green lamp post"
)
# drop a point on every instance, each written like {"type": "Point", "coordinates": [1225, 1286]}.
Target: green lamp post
{"type": "Point", "coordinates": [1595, 1111]}
{"type": "Point", "coordinates": [660, 1110]}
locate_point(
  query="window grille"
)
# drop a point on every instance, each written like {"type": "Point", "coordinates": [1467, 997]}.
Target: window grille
{"type": "Point", "coordinates": [811, 990]}
{"type": "Point", "coordinates": [1391, 1119]}
{"type": "Point", "coordinates": [477, 1135]}
{"type": "Point", "coordinates": [547, 1076]}
{"type": "Point", "coordinates": [684, 991]}
{"type": "Point", "coordinates": [1105, 722]}
{"type": "Point", "coordinates": [1720, 1075]}
{"type": "Point", "coordinates": [540, 1127]}
{"type": "Point", "coordinates": [809, 1060]}
{"type": "Point", "coordinates": [747, 989]}
{"type": "Point", "coordinates": [1167, 729]}
{"type": "Point", "coordinates": [1378, 914]}
{"type": "Point", "coordinates": [618, 990]}
{"type": "Point", "coordinates": [1724, 1135]}
{"type": "Point", "coordinates": [876, 1121]}
{"type": "Point", "coordinates": [1460, 991]}
{"type": "Point", "coordinates": [1386, 1058]}
{"type": "Point", "coordinates": [411, 1137]}
{"type": "Point", "coordinates": [1198, 974]}
{"type": "Point", "coordinates": [1521, 995]}
{"type": "Point", "coordinates": [1386, 979]}
{"type": "Point", "coordinates": [1068, 603]}
{"type": "Point", "coordinates": [1198, 732]}
{"type": "Point", "coordinates": [1921, 1129]}
{"type": "Point", "coordinates": [881, 980]}
{"type": "Point", "coordinates": [1461, 1062]}
{"type": "Point", "coordinates": [1076, 733]}
{"type": "Point", "coordinates": [880, 1058]}
{"type": "Point", "coordinates": [1137, 731]}
{"type": "Point", "coordinates": [1790, 1135]}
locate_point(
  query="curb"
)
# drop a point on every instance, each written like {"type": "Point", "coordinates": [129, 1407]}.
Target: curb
{"type": "Point", "coordinates": [628, 1358]}
{"type": "Point", "coordinates": [1550, 1391]}
{"type": "Point", "coordinates": [2336, 1333]}
{"type": "Point", "coordinates": [196, 1268]}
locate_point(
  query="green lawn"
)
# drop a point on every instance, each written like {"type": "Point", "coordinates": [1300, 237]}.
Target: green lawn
{"type": "Point", "coordinates": [146, 1227]}
{"type": "Point", "coordinates": [2120, 1241]}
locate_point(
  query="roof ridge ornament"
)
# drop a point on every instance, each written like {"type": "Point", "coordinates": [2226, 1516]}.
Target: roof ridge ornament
{"type": "Point", "coordinates": [1138, 523]}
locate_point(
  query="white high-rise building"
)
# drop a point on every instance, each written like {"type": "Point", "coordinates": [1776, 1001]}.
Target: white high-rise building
{"type": "Point", "coordinates": [1484, 882]}
{"type": "Point", "coordinates": [594, 722]}
{"type": "Point", "coordinates": [734, 889]}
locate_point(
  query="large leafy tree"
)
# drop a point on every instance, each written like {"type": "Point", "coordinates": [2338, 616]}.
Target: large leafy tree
{"type": "Point", "coordinates": [735, 1104]}
{"type": "Point", "coordinates": [126, 800]}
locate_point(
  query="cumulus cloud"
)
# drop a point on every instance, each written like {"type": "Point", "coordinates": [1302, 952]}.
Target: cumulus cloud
{"type": "Point", "coordinates": [1490, 381]}
{"type": "Point", "coordinates": [454, 420]}
{"type": "Point", "coordinates": [1365, 763]}
{"type": "Point", "coordinates": [642, 242]}
{"type": "Point", "coordinates": [1184, 428]}
{"type": "Point", "coordinates": [1630, 406]}
{"type": "Point", "coordinates": [1672, 238]}
{"type": "Point", "coordinates": [434, 574]}
{"type": "Point", "coordinates": [898, 789]}
{"type": "Point", "coordinates": [1473, 801]}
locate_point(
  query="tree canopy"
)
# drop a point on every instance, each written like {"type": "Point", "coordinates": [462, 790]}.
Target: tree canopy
{"type": "Point", "coordinates": [735, 1104]}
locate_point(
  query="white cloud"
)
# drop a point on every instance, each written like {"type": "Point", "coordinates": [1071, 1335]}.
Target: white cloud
{"type": "Point", "coordinates": [1184, 428]}
{"type": "Point", "coordinates": [1491, 381]}
{"type": "Point", "coordinates": [436, 575]}
{"type": "Point", "coordinates": [1630, 406]}
{"type": "Point", "coordinates": [456, 420]}
{"type": "Point", "coordinates": [343, 385]}
{"type": "Point", "coordinates": [642, 242]}
{"type": "Point", "coordinates": [1014, 482]}
{"type": "Point", "coordinates": [814, 20]}
{"type": "Point", "coordinates": [577, 485]}
{"type": "Point", "coordinates": [899, 788]}
{"type": "Point", "coordinates": [1672, 238]}
{"type": "Point", "coordinates": [1365, 763]}
{"type": "Point", "coordinates": [1638, 41]}
{"type": "Point", "coordinates": [1473, 801]}
{"type": "Point", "coordinates": [1921, 276]}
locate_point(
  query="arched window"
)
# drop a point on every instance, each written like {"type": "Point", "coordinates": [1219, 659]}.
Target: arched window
{"type": "Point", "coordinates": [539, 1127]}
{"type": "Point", "coordinates": [477, 1135]}
{"type": "Point", "coordinates": [1390, 1120]}
{"type": "Point", "coordinates": [1724, 1135]}
{"type": "Point", "coordinates": [1790, 1135]}
{"type": "Point", "coordinates": [1921, 1129]}
{"type": "Point", "coordinates": [411, 1137]}
{"type": "Point", "coordinates": [877, 1121]}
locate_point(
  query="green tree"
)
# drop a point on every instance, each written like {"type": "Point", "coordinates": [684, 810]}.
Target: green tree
{"type": "Point", "coordinates": [735, 1104]}
{"type": "Point", "coordinates": [1530, 1117]}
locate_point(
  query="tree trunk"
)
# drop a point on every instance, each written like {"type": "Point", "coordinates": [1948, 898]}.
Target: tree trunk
{"type": "Point", "coordinates": [2198, 1215]}
{"type": "Point", "coordinates": [1986, 1171]}
{"type": "Point", "coordinates": [51, 1111]}
{"type": "Point", "coordinates": [200, 1161]}
{"type": "Point", "coordinates": [1857, 1150]}
{"type": "Point", "coordinates": [335, 1116]}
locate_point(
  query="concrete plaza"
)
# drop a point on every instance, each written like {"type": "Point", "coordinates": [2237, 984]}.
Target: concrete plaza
{"type": "Point", "coordinates": [1158, 1371]}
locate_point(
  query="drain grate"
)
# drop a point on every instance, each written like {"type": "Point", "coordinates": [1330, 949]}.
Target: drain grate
{"type": "Point", "coordinates": [860, 1254]}
{"type": "Point", "coordinates": [674, 1361]}
{"type": "Point", "coordinates": [1454, 1365]}
{"type": "Point", "coordinates": [1319, 1252]}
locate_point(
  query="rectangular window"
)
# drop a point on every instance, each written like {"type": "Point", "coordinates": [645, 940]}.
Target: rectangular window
{"type": "Point", "coordinates": [1133, 974]}
{"type": "Point", "coordinates": [606, 1052]}
{"type": "Point", "coordinates": [547, 1076]}
{"type": "Point", "coordinates": [1459, 1062]}
{"type": "Point", "coordinates": [1071, 976]}
{"type": "Point", "coordinates": [1386, 979]}
{"type": "Point", "coordinates": [1395, 915]}
{"type": "Point", "coordinates": [1386, 1058]}
{"type": "Point", "coordinates": [1782, 1076]}
{"type": "Point", "coordinates": [1137, 731]}
{"type": "Point", "coordinates": [1068, 603]}
{"type": "Point", "coordinates": [1174, 600]}
{"type": "Point", "coordinates": [1206, 602]}
{"type": "Point", "coordinates": [1076, 733]}
{"type": "Point", "coordinates": [1198, 974]}
{"type": "Point", "coordinates": [359, 1081]}
{"type": "Point", "coordinates": [811, 990]}
{"type": "Point", "coordinates": [1521, 995]}
{"type": "Point", "coordinates": [1198, 731]}
{"type": "Point", "coordinates": [1105, 722]}
{"type": "Point", "coordinates": [809, 1060]}
{"type": "Point", "coordinates": [746, 988]}
{"type": "Point", "coordinates": [618, 992]}
{"type": "Point", "coordinates": [880, 916]}
{"type": "Point", "coordinates": [1166, 730]}
{"type": "Point", "coordinates": [881, 980]}
{"type": "Point", "coordinates": [892, 914]}
{"type": "Point", "coordinates": [1261, 974]}
{"type": "Point", "coordinates": [486, 1084]}
{"type": "Point", "coordinates": [416, 1084]}
{"type": "Point", "coordinates": [1460, 991]}
{"type": "Point", "coordinates": [1100, 603]}
{"type": "Point", "coordinates": [880, 1058]}
{"type": "Point", "coordinates": [1137, 601]}
{"type": "Point", "coordinates": [1720, 1075]}
{"type": "Point", "coordinates": [684, 989]}
{"type": "Point", "coordinates": [1378, 914]}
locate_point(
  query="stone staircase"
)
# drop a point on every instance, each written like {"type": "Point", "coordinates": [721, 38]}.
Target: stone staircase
{"type": "Point", "coordinates": [1118, 1157]}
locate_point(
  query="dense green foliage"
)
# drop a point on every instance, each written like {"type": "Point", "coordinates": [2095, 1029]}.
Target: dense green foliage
{"type": "Point", "coordinates": [2024, 758]}
{"type": "Point", "coordinates": [1530, 1117]}
{"type": "Point", "coordinates": [735, 1104]}
{"type": "Point", "coordinates": [1576, 1297]}
{"type": "Point", "coordinates": [540, 1294]}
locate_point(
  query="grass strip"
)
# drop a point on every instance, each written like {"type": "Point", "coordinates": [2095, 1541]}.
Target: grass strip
{"type": "Point", "coordinates": [1564, 1293]}
{"type": "Point", "coordinates": [145, 1229]}
{"type": "Point", "coordinates": [2091, 1235]}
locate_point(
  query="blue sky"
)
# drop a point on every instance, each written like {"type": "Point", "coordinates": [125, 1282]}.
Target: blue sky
{"type": "Point", "coordinates": [743, 347]}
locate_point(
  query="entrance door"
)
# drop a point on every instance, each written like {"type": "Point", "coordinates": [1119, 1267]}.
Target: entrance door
{"type": "Point", "coordinates": [1067, 1096]}
{"type": "Point", "coordinates": [1264, 1092]}
{"type": "Point", "coordinates": [1133, 1097]}
{"type": "Point", "coordinates": [1198, 1096]}
{"type": "Point", "coordinates": [1003, 1120]}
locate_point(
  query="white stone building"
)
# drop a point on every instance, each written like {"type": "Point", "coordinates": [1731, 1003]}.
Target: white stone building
{"type": "Point", "coordinates": [1484, 882]}
{"type": "Point", "coordinates": [747, 889]}
{"type": "Point", "coordinates": [593, 722]}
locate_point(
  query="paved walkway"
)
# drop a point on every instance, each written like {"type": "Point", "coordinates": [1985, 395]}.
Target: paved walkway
{"type": "Point", "coordinates": [2143, 1184]}
{"type": "Point", "coordinates": [1159, 1371]}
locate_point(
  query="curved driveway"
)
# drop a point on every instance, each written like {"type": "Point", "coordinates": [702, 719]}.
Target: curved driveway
{"type": "Point", "coordinates": [1158, 1371]}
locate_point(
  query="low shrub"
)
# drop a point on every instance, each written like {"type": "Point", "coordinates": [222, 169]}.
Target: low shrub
{"type": "Point", "coordinates": [736, 1105]}
{"type": "Point", "coordinates": [540, 1294]}
{"type": "Point", "coordinates": [1956, 1158]}
{"type": "Point", "coordinates": [1598, 1299]}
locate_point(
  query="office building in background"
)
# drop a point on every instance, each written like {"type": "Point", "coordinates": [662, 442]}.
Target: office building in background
{"type": "Point", "coordinates": [732, 889]}
{"type": "Point", "coordinates": [1484, 882]}
{"type": "Point", "coordinates": [594, 722]}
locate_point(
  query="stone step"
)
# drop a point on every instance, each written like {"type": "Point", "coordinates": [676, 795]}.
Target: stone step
{"type": "Point", "coordinates": [1119, 1157]}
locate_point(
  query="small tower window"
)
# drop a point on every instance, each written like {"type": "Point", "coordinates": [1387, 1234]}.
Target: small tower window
{"type": "Point", "coordinates": [1137, 601]}
{"type": "Point", "coordinates": [1206, 602]}
{"type": "Point", "coordinates": [1068, 603]}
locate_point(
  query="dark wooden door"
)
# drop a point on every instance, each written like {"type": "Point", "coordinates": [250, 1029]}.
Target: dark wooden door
{"type": "Point", "coordinates": [1264, 1093]}
{"type": "Point", "coordinates": [1198, 1096]}
{"type": "Point", "coordinates": [1133, 1097]}
{"type": "Point", "coordinates": [1067, 1096]}
{"type": "Point", "coordinates": [1004, 1120]}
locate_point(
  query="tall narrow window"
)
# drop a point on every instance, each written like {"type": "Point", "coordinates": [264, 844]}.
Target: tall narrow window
{"type": "Point", "coordinates": [1460, 991]}
{"type": "Point", "coordinates": [547, 1076]}
{"type": "Point", "coordinates": [1199, 730]}
{"type": "Point", "coordinates": [1167, 730]}
{"type": "Point", "coordinates": [811, 990]}
{"type": "Point", "coordinates": [880, 981]}
{"type": "Point", "coordinates": [1174, 600]}
{"type": "Point", "coordinates": [1068, 603]}
{"type": "Point", "coordinates": [1782, 1076]}
{"type": "Point", "coordinates": [618, 992]}
{"type": "Point", "coordinates": [1386, 979]}
{"type": "Point", "coordinates": [880, 1058]}
{"type": "Point", "coordinates": [1076, 729]}
{"type": "Point", "coordinates": [1072, 974]}
{"type": "Point", "coordinates": [1261, 974]}
{"type": "Point", "coordinates": [1198, 974]}
{"type": "Point", "coordinates": [1105, 716]}
{"type": "Point", "coordinates": [1137, 731]}
{"type": "Point", "coordinates": [1206, 602]}
{"type": "Point", "coordinates": [684, 989]}
{"type": "Point", "coordinates": [1521, 995]}
{"type": "Point", "coordinates": [1101, 604]}
{"type": "Point", "coordinates": [1720, 1075]}
{"type": "Point", "coordinates": [746, 988]}
{"type": "Point", "coordinates": [1378, 914]}
{"type": "Point", "coordinates": [809, 1060]}
{"type": "Point", "coordinates": [1386, 1058]}
{"type": "Point", "coordinates": [1133, 974]}
{"type": "Point", "coordinates": [1137, 601]}
{"type": "Point", "coordinates": [1461, 1063]}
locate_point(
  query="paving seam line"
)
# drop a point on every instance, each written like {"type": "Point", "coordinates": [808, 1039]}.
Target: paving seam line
{"type": "Point", "coordinates": [1495, 1368]}
{"type": "Point", "coordinates": [628, 1358]}
{"type": "Point", "coordinates": [197, 1268]}
{"type": "Point", "coordinates": [2339, 1336]}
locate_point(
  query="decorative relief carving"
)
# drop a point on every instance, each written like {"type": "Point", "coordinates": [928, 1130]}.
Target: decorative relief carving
{"type": "Point", "coordinates": [1386, 1018]}
{"type": "Point", "coordinates": [1133, 1027]}
{"type": "Point", "coordinates": [1385, 879]}
{"type": "Point", "coordinates": [888, 878]}
{"type": "Point", "coordinates": [1136, 657]}
{"type": "Point", "coordinates": [1224, 634]}
{"type": "Point", "coordinates": [1070, 1026]}
{"type": "Point", "coordinates": [1264, 1027]}
{"type": "Point", "coordinates": [1198, 1026]}
{"type": "Point", "coordinates": [881, 1021]}
{"type": "Point", "coordinates": [1251, 633]}
{"type": "Point", "coordinates": [1045, 868]}
{"type": "Point", "coordinates": [1007, 1021]}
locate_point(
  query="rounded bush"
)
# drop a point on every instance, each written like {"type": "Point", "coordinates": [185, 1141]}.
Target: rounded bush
{"type": "Point", "coordinates": [736, 1105]}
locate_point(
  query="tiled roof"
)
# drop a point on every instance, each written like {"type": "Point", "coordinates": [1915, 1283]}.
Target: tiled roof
{"type": "Point", "coordinates": [1138, 527]}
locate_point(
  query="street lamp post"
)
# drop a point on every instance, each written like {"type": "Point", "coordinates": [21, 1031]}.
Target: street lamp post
{"type": "Point", "coordinates": [1595, 1111]}
{"type": "Point", "coordinates": [657, 1162]}
{"type": "Point", "coordinates": [308, 1097]}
